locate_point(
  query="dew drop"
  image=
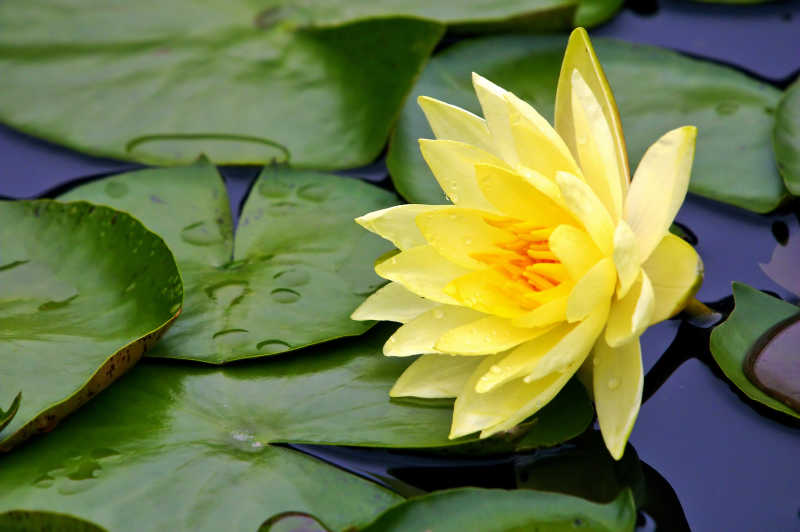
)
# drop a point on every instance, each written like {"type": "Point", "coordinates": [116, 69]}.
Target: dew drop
{"type": "Point", "coordinates": [227, 293]}
{"type": "Point", "coordinates": [613, 383]}
{"type": "Point", "coordinates": [727, 108]}
{"type": "Point", "coordinates": [116, 189]}
{"type": "Point", "coordinates": [293, 277]}
{"type": "Point", "coordinates": [272, 346]}
{"type": "Point", "coordinates": [201, 234]}
{"type": "Point", "coordinates": [438, 314]}
{"type": "Point", "coordinates": [595, 361]}
{"type": "Point", "coordinates": [496, 370]}
{"type": "Point", "coordinates": [313, 192]}
{"type": "Point", "coordinates": [284, 295]}
{"type": "Point", "coordinates": [274, 188]}
{"type": "Point", "coordinates": [231, 336]}
{"type": "Point", "coordinates": [467, 241]}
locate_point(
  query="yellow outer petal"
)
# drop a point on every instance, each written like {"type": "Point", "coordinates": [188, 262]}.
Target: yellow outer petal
{"type": "Point", "coordinates": [459, 233]}
{"type": "Point", "coordinates": [453, 166]}
{"type": "Point", "coordinates": [392, 302]}
{"type": "Point", "coordinates": [419, 335]}
{"type": "Point", "coordinates": [592, 291]}
{"type": "Point", "coordinates": [449, 122]}
{"type": "Point", "coordinates": [487, 291]}
{"type": "Point", "coordinates": [519, 197]}
{"type": "Point", "coordinates": [574, 249]}
{"type": "Point", "coordinates": [486, 336]}
{"type": "Point", "coordinates": [617, 383]}
{"type": "Point", "coordinates": [397, 224]}
{"type": "Point", "coordinates": [596, 148]}
{"type": "Point", "coordinates": [586, 207]}
{"type": "Point", "coordinates": [659, 187]}
{"type": "Point", "coordinates": [495, 110]}
{"type": "Point", "coordinates": [435, 376]}
{"type": "Point", "coordinates": [676, 273]}
{"type": "Point", "coordinates": [580, 56]}
{"type": "Point", "coordinates": [422, 271]}
{"type": "Point", "coordinates": [631, 315]}
{"type": "Point", "coordinates": [626, 257]}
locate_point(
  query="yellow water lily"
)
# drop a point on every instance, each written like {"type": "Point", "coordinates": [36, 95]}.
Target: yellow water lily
{"type": "Point", "coordinates": [549, 259]}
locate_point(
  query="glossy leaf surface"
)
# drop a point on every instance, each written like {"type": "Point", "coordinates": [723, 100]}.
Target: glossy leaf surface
{"type": "Point", "coordinates": [22, 521]}
{"type": "Point", "coordinates": [787, 138]}
{"type": "Point", "coordinates": [163, 82]}
{"type": "Point", "coordinates": [196, 440]}
{"type": "Point", "coordinates": [656, 90]}
{"type": "Point", "coordinates": [84, 290]}
{"type": "Point", "coordinates": [755, 314]}
{"type": "Point", "coordinates": [296, 269]}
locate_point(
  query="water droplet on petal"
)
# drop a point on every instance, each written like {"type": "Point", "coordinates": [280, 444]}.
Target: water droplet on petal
{"type": "Point", "coordinates": [613, 383]}
{"type": "Point", "coordinates": [438, 314]}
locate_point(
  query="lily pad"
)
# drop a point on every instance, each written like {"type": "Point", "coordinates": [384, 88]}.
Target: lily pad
{"type": "Point", "coordinates": [22, 521]}
{"type": "Point", "coordinates": [163, 82]}
{"type": "Point", "coordinates": [787, 138]}
{"type": "Point", "coordinates": [84, 290]}
{"type": "Point", "coordinates": [196, 440]}
{"type": "Point", "coordinates": [755, 314]}
{"type": "Point", "coordinates": [8, 415]}
{"type": "Point", "coordinates": [656, 90]}
{"type": "Point", "coordinates": [292, 276]}
{"type": "Point", "coordinates": [494, 510]}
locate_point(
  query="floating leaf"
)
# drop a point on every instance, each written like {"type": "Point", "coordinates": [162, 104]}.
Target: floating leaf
{"type": "Point", "coordinates": [494, 510]}
{"type": "Point", "coordinates": [782, 266]}
{"type": "Point", "coordinates": [755, 314]}
{"type": "Point", "coordinates": [162, 83]}
{"type": "Point", "coordinates": [656, 90]}
{"type": "Point", "coordinates": [84, 290]}
{"type": "Point", "coordinates": [786, 139]}
{"type": "Point", "coordinates": [292, 276]}
{"type": "Point", "coordinates": [8, 415]}
{"type": "Point", "coordinates": [196, 440]}
{"type": "Point", "coordinates": [24, 521]}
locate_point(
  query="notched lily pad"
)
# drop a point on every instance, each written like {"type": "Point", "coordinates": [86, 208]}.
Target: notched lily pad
{"type": "Point", "coordinates": [84, 291]}
{"type": "Point", "coordinates": [656, 90]}
{"type": "Point", "coordinates": [756, 315]}
{"type": "Point", "coordinates": [786, 139]}
{"type": "Point", "coordinates": [291, 277]}
{"type": "Point", "coordinates": [24, 521]}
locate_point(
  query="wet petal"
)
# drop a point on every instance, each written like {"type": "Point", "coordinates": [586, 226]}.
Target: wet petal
{"type": "Point", "coordinates": [488, 291]}
{"type": "Point", "coordinates": [586, 207]}
{"type": "Point", "coordinates": [449, 122]}
{"type": "Point", "coordinates": [659, 187]}
{"type": "Point", "coordinates": [617, 383]}
{"type": "Point", "coordinates": [397, 224]}
{"type": "Point", "coordinates": [392, 302]}
{"type": "Point", "coordinates": [419, 335]}
{"type": "Point", "coordinates": [488, 335]}
{"type": "Point", "coordinates": [495, 110]}
{"type": "Point", "coordinates": [631, 315]}
{"type": "Point", "coordinates": [546, 314]}
{"type": "Point", "coordinates": [422, 271]}
{"type": "Point", "coordinates": [435, 376]}
{"type": "Point", "coordinates": [574, 249]}
{"type": "Point", "coordinates": [676, 272]}
{"type": "Point", "coordinates": [593, 290]}
{"type": "Point", "coordinates": [626, 257]}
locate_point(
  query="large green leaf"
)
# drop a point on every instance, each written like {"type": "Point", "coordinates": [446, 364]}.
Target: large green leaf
{"type": "Point", "coordinates": [84, 290]}
{"type": "Point", "coordinates": [787, 138]}
{"type": "Point", "coordinates": [492, 510]}
{"type": "Point", "coordinates": [755, 314]}
{"type": "Point", "coordinates": [187, 447]}
{"type": "Point", "coordinates": [656, 90]}
{"type": "Point", "coordinates": [162, 82]}
{"type": "Point", "coordinates": [22, 521]}
{"type": "Point", "coordinates": [297, 270]}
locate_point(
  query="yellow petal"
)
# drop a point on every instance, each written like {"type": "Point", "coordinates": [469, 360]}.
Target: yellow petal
{"type": "Point", "coordinates": [626, 257]}
{"type": "Point", "coordinates": [580, 56]}
{"type": "Point", "coordinates": [453, 166]}
{"type": "Point", "coordinates": [422, 271]}
{"type": "Point", "coordinates": [459, 233]}
{"type": "Point", "coordinates": [518, 197]}
{"type": "Point", "coordinates": [676, 273]}
{"type": "Point", "coordinates": [596, 148]}
{"type": "Point", "coordinates": [538, 145]}
{"type": "Point", "coordinates": [472, 411]}
{"type": "Point", "coordinates": [435, 376]}
{"type": "Point", "coordinates": [631, 315]}
{"type": "Point", "coordinates": [586, 207]}
{"type": "Point", "coordinates": [488, 335]}
{"type": "Point", "coordinates": [546, 314]}
{"type": "Point", "coordinates": [419, 335]}
{"type": "Point", "coordinates": [617, 383]}
{"type": "Point", "coordinates": [392, 302]}
{"type": "Point", "coordinates": [592, 291]}
{"type": "Point", "coordinates": [495, 110]}
{"type": "Point", "coordinates": [659, 187]}
{"type": "Point", "coordinates": [488, 291]}
{"type": "Point", "coordinates": [449, 122]}
{"type": "Point", "coordinates": [397, 224]}
{"type": "Point", "coordinates": [574, 249]}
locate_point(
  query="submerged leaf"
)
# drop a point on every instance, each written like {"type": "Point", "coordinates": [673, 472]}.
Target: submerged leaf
{"type": "Point", "coordinates": [291, 277]}
{"type": "Point", "coordinates": [84, 291]}
{"type": "Point", "coordinates": [656, 90]}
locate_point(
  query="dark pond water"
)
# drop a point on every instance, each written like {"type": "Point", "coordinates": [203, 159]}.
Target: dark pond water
{"type": "Point", "coordinates": [702, 457]}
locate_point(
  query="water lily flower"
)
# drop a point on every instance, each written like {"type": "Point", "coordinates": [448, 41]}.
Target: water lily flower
{"type": "Point", "coordinates": [549, 260]}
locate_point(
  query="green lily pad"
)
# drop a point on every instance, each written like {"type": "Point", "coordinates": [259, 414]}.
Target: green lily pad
{"type": "Point", "coordinates": [755, 314]}
{"type": "Point", "coordinates": [8, 415]}
{"type": "Point", "coordinates": [787, 138]}
{"type": "Point", "coordinates": [162, 83]}
{"type": "Point", "coordinates": [196, 440]}
{"type": "Point", "coordinates": [84, 290]}
{"type": "Point", "coordinates": [656, 90]}
{"type": "Point", "coordinates": [292, 276]}
{"type": "Point", "coordinates": [494, 510]}
{"type": "Point", "coordinates": [22, 521]}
